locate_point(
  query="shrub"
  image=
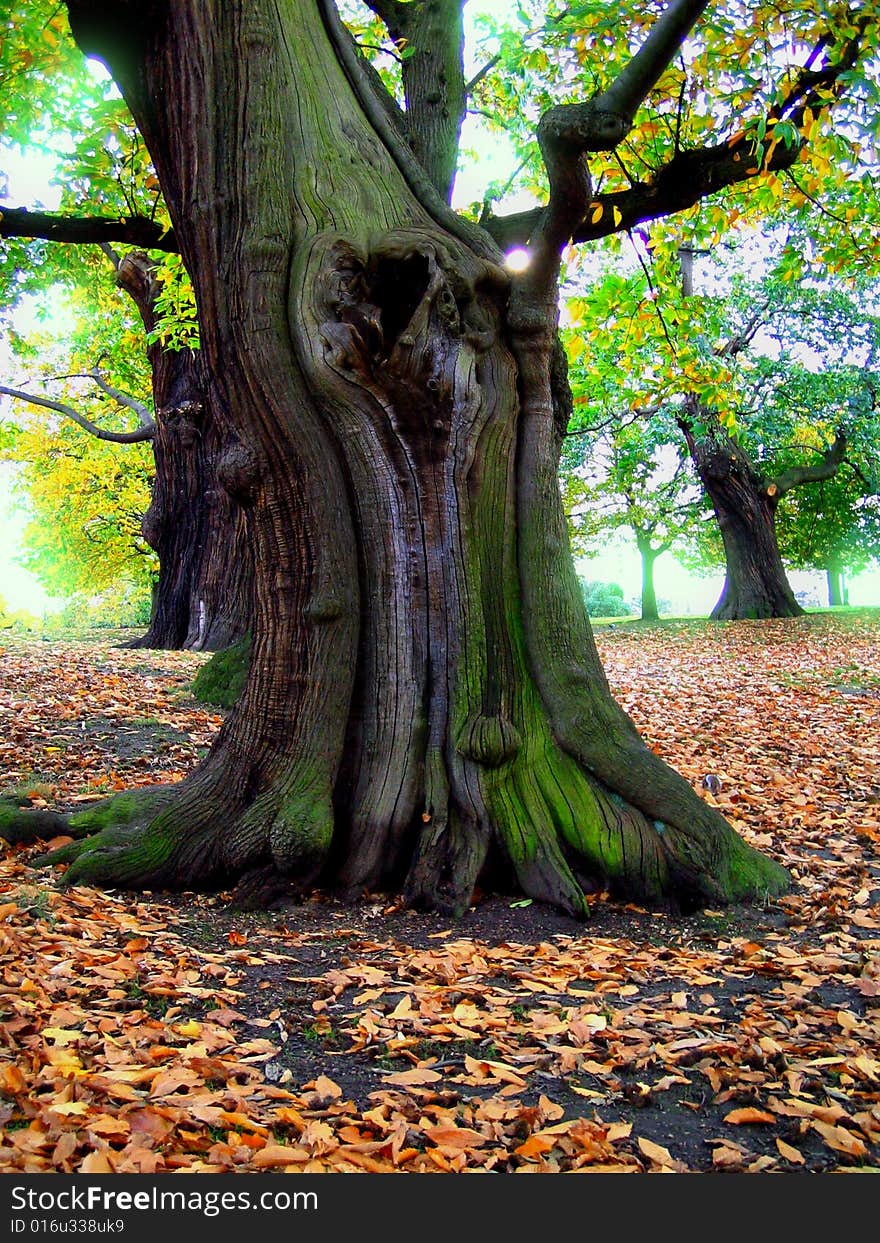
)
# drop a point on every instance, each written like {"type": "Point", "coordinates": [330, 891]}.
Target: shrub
{"type": "Point", "coordinates": [604, 599]}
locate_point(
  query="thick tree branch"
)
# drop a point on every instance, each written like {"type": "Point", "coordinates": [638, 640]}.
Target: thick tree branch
{"type": "Point", "coordinates": [421, 185]}
{"type": "Point", "coordinates": [632, 85]}
{"type": "Point", "coordinates": [569, 132]}
{"type": "Point", "coordinates": [826, 468]}
{"type": "Point", "coordinates": [81, 230]}
{"type": "Point", "coordinates": [695, 174]}
{"type": "Point", "coordinates": [384, 99]}
{"type": "Point", "coordinates": [144, 432]}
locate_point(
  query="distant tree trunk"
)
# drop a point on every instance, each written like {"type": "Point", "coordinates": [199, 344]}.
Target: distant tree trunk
{"type": "Point", "coordinates": [648, 556]}
{"type": "Point", "coordinates": [745, 504]}
{"type": "Point", "coordinates": [202, 598]}
{"type": "Point", "coordinates": [203, 593]}
{"type": "Point", "coordinates": [837, 593]}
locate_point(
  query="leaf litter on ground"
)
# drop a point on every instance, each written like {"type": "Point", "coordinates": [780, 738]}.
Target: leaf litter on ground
{"type": "Point", "coordinates": [151, 1033]}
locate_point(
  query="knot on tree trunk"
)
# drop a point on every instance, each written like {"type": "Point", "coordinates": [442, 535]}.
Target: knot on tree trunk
{"type": "Point", "coordinates": [238, 471]}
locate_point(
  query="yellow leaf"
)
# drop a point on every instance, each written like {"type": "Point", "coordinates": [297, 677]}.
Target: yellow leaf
{"type": "Point", "coordinates": [61, 1035]}
{"type": "Point", "coordinates": [616, 215]}
{"type": "Point", "coordinates": [403, 1009]}
{"type": "Point", "coordinates": [70, 1107]}
{"type": "Point", "coordinates": [596, 213]}
{"type": "Point", "coordinates": [190, 1029]}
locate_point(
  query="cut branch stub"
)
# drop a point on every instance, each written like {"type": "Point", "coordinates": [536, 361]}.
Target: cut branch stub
{"type": "Point", "coordinates": [569, 129]}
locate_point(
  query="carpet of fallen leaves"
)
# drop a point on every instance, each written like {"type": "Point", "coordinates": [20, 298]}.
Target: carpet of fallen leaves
{"type": "Point", "coordinates": [149, 1033]}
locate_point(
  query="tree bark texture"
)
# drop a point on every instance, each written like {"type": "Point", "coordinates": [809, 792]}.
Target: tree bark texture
{"type": "Point", "coordinates": [202, 600]}
{"type": "Point", "coordinates": [424, 702]}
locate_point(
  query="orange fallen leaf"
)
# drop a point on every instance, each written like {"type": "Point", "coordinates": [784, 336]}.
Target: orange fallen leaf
{"type": "Point", "coordinates": [535, 1146]}
{"type": "Point", "coordinates": [107, 1124]}
{"type": "Point", "coordinates": [279, 1154]}
{"type": "Point", "coordinates": [841, 1140]}
{"type": "Point", "coordinates": [290, 1116]}
{"type": "Point", "coordinates": [12, 1081]}
{"type": "Point", "coordinates": [790, 1154]}
{"type": "Point", "coordinates": [655, 1152]}
{"type": "Point", "coordinates": [727, 1157]}
{"type": "Point", "coordinates": [738, 1117]}
{"type": "Point", "coordinates": [327, 1088]}
{"type": "Point", "coordinates": [454, 1137]}
{"type": "Point", "coordinates": [412, 1078]}
{"type": "Point", "coordinates": [95, 1163]}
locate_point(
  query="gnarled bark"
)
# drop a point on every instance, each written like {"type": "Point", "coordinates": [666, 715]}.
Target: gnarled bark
{"type": "Point", "coordinates": [424, 698]}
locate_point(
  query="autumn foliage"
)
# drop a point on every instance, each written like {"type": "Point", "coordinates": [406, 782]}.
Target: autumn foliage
{"type": "Point", "coordinates": [141, 1036]}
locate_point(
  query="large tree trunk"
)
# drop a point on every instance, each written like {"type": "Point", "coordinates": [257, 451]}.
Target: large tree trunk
{"type": "Point", "coordinates": [745, 504]}
{"type": "Point", "coordinates": [202, 599]}
{"type": "Point", "coordinates": [425, 703]}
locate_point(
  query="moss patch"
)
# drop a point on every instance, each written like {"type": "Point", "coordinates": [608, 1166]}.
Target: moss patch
{"type": "Point", "coordinates": [222, 679]}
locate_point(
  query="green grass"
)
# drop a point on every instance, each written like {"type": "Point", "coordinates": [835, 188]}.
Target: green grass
{"type": "Point", "coordinates": [846, 613]}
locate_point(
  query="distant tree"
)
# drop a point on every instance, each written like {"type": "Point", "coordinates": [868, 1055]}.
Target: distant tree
{"type": "Point", "coordinates": [133, 346]}
{"type": "Point", "coordinates": [805, 416]}
{"type": "Point", "coordinates": [141, 378]}
{"type": "Point", "coordinates": [630, 476]}
{"type": "Point", "coordinates": [834, 527]}
{"type": "Point", "coordinates": [769, 381]}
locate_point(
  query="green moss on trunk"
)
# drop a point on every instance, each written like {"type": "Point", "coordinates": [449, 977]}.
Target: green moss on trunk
{"type": "Point", "coordinates": [221, 680]}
